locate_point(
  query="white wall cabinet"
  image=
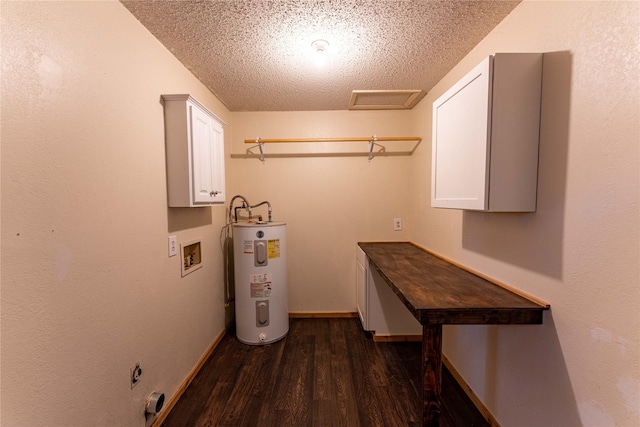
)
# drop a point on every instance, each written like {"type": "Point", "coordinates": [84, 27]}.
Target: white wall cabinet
{"type": "Point", "coordinates": [486, 137]}
{"type": "Point", "coordinates": [195, 153]}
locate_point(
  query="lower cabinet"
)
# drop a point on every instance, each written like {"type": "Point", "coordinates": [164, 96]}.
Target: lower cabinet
{"type": "Point", "coordinates": [361, 284]}
{"type": "Point", "coordinates": [379, 309]}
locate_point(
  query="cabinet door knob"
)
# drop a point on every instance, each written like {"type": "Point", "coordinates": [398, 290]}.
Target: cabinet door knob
{"type": "Point", "coordinates": [214, 193]}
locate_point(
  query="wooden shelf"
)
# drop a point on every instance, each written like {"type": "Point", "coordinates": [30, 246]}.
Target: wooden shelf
{"type": "Point", "coordinates": [438, 292]}
{"type": "Point", "coordinates": [311, 140]}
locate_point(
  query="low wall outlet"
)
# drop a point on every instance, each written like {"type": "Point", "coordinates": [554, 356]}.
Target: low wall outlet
{"type": "Point", "coordinates": [397, 224]}
{"type": "Point", "coordinates": [136, 373]}
{"type": "Point", "coordinates": [173, 246]}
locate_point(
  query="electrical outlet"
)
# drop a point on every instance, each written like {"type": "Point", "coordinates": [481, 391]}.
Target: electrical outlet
{"type": "Point", "coordinates": [173, 246]}
{"type": "Point", "coordinates": [397, 224]}
{"type": "Point", "coordinates": [136, 373]}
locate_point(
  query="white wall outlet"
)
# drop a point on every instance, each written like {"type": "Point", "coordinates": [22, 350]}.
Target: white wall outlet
{"type": "Point", "coordinates": [173, 246]}
{"type": "Point", "coordinates": [397, 224]}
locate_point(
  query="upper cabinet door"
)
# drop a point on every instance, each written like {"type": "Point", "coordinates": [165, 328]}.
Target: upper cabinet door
{"type": "Point", "coordinates": [195, 153]}
{"type": "Point", "coordinates": [217, 153]}
{"type": "Point", "coordinates": [485, 137]}
{"type": "Point", "coordinates": [207, 142]}
{"type": "Point", "coordinates": [461, 125]}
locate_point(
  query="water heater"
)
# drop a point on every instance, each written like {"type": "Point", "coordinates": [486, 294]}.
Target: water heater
{"type": "Point", "coordinates": [260, 270]}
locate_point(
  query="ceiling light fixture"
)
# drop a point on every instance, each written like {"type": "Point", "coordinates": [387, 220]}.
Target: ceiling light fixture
{"type": "Point", "coordinates": [320, 45]}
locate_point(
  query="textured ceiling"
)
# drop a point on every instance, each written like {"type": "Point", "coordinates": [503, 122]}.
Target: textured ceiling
{"type": "Point", "coordinates": [257, 55]}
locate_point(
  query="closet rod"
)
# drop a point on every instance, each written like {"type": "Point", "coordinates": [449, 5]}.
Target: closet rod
{"type": "Point", "coordinates": [364, 139]}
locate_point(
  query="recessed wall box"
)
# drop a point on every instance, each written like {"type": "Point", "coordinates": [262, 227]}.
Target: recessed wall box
{"type": "Point", "coordinates": [191, 256]}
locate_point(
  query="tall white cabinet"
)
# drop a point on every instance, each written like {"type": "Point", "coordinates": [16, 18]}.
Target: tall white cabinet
{"type": "Point", "coordinates": [194, 139]}
{"type": "Point", "coordinates": [485, 137]}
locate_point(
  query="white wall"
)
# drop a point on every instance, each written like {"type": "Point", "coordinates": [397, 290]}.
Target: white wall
{"type": "Point", "coordinates": [580, 250]}
{"type": "Point", "coordinates": [87, 286]}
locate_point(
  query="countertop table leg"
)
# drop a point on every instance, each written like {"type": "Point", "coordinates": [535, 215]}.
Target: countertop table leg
{"type": "Point", "coordinates": [431, 374]}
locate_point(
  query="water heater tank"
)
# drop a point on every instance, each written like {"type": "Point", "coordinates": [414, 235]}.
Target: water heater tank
{"type": "Point", "coordinates": [260, 270]}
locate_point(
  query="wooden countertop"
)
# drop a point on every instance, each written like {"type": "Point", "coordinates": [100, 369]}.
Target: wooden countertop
{"type": "Point", "coordinates": [438, 292]}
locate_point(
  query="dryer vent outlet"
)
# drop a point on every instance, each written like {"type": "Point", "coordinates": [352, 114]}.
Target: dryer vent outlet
{"type": "Point", "coordinates": [155, 402]}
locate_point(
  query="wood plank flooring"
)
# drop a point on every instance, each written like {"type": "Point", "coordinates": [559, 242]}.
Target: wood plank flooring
{"type": "Point", "coordinates": [325, 372]}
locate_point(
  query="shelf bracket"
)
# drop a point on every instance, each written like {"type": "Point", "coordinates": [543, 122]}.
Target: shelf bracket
{"type": "Point", "coordinates": [260, 146]}
{"type": "Point", "coordinates": [372, 143]}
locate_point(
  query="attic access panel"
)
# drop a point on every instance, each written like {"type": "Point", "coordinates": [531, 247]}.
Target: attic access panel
{"type": "Point", "coordinates": [384, 99]}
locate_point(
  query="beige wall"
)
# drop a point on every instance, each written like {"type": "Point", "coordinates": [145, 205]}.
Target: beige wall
{"type": "Point", "coordinates": [87, 286]}
{"type": "Point", "coordinates": [88, 289]}
{"type": "Point", "coordinates": [329, 203]}
{"type": "Point", "coordinates": [580, 250]}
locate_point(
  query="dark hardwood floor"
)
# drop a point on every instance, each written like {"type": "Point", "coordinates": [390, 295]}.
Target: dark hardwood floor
{"type": "Point", "coordinates": [325, 372]}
